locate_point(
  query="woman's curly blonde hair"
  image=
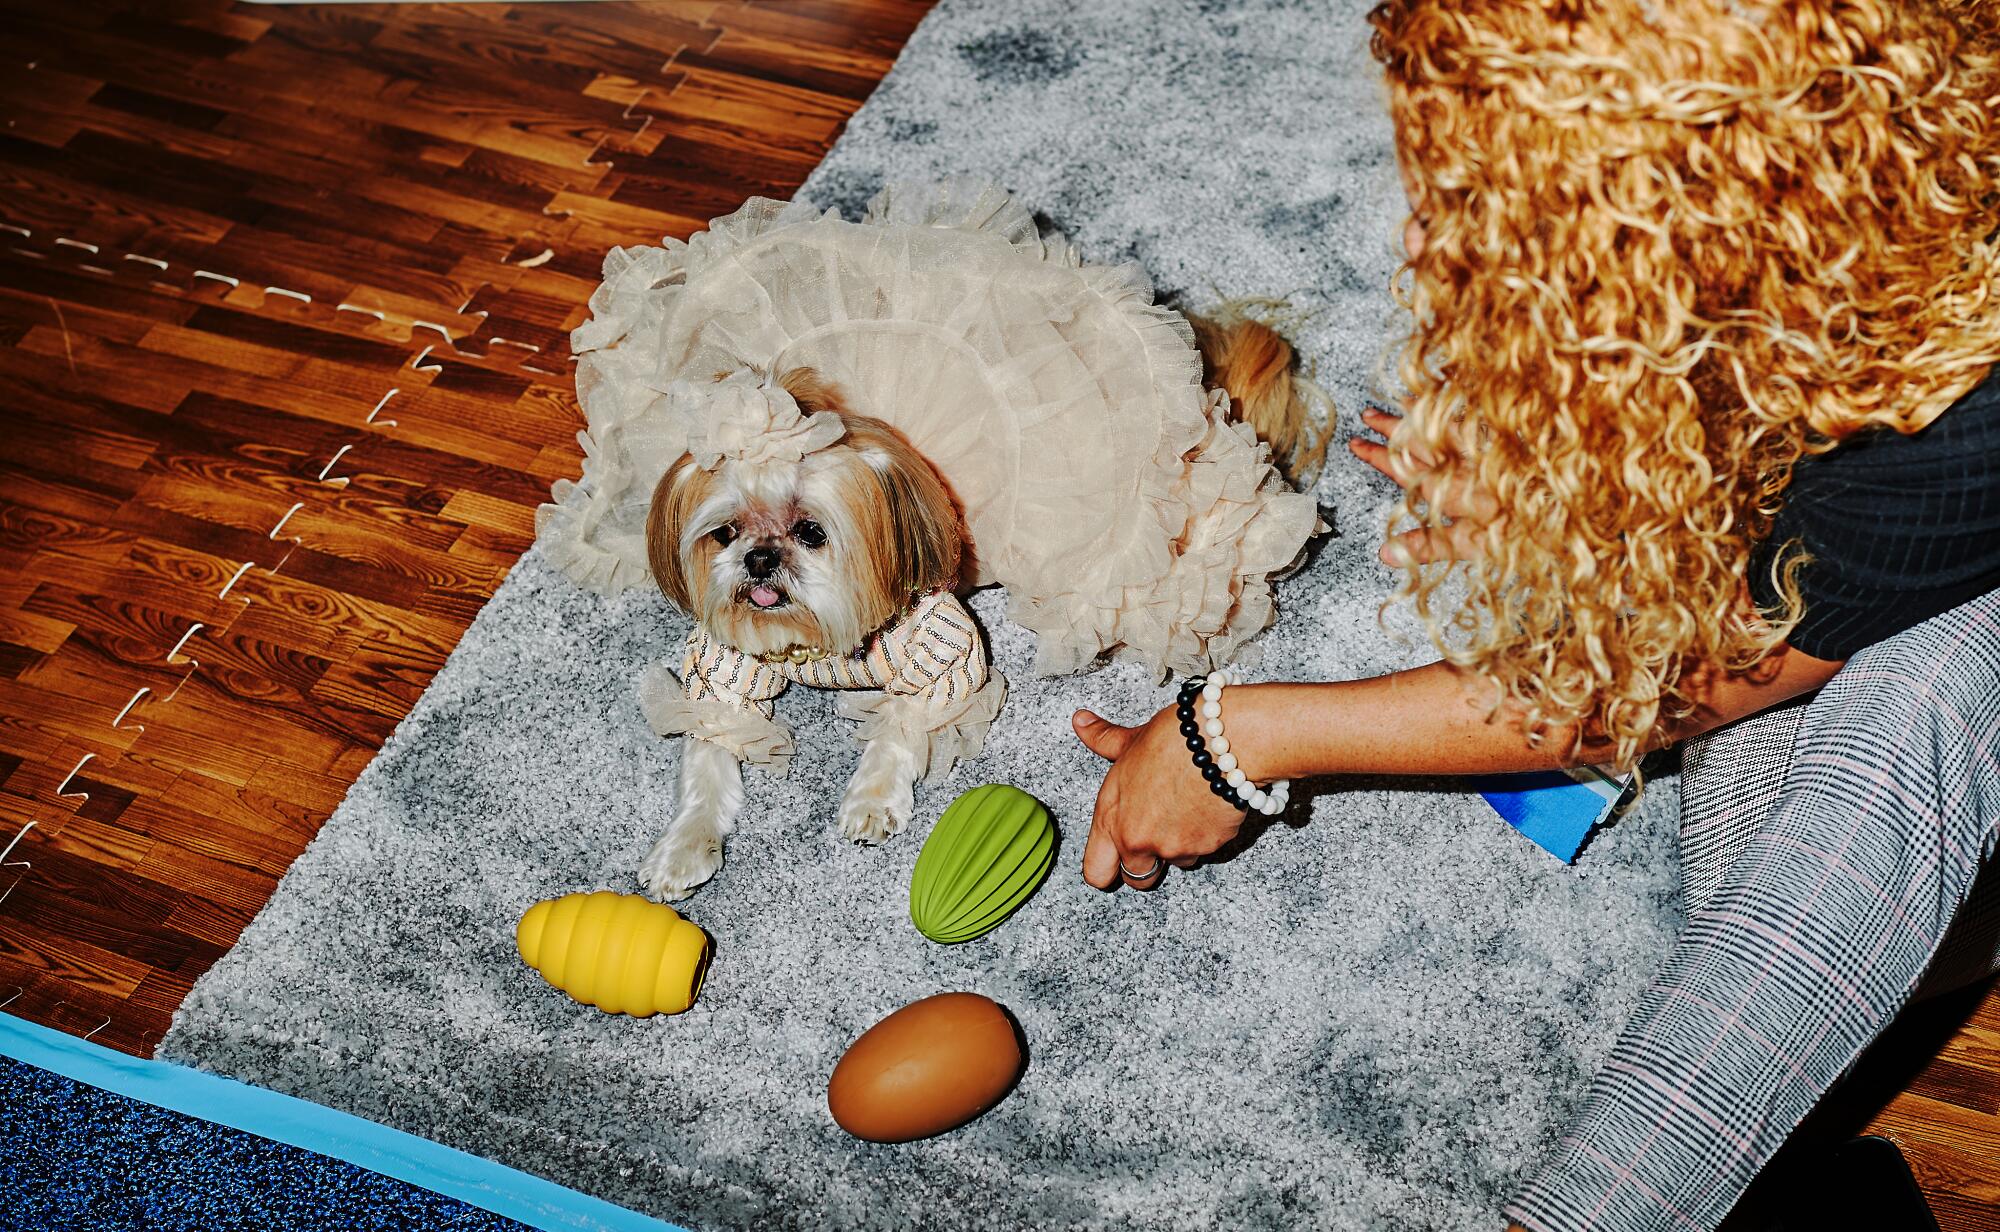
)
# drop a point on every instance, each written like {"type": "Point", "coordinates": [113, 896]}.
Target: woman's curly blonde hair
{"type": "Point", "coordinates": [1672, 246]}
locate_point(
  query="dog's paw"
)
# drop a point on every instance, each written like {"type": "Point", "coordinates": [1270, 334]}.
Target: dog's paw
{"type": "Point", "coordinates": [866, 818]}
{"type": "Point", "coordinates": [678, 863]}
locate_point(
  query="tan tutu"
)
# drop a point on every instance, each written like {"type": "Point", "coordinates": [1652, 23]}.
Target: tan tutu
{"type": "Point", "coordinates": [1102, 484]}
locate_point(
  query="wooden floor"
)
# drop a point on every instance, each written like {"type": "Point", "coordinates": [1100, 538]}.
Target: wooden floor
{"type": "Point", "coordinates": [284, 295]}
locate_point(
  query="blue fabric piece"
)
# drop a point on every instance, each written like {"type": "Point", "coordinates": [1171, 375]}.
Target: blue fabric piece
{"type": "Point", "coordinates": [1552, 809]}
{"type": "Point", "coordinates": [100, 1140]}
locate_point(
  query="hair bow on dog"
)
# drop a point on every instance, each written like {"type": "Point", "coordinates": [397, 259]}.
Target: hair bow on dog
{"type": "Point", "coordinates": [746, 419]}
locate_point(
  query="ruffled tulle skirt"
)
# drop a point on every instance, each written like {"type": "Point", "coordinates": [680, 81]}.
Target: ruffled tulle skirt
{"type": "Point", "coordinates": [1111, 494]}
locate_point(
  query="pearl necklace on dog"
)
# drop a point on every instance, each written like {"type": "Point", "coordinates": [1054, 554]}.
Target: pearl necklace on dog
{"type": "Point", "coordinates": [802, 655]}
{"type": "Point", "coordinates": [792, 654]}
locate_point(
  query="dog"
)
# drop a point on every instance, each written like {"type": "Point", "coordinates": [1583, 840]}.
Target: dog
{"type": "Point", "coordinates": [832, 558]}
{"type": "Point", "coordinates": [835, 569]}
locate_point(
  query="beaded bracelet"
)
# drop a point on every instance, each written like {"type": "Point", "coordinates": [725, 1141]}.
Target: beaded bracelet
{"type": "Point", "coordinates": [1211, 748]}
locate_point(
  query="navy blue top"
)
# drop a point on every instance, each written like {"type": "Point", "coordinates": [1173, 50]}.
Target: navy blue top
{"type": "Point", "coordinates": [1900, 528]}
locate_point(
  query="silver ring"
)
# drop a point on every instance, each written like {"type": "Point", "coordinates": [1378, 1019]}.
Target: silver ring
{"type": "Point", "coordinates": [1158, 864]}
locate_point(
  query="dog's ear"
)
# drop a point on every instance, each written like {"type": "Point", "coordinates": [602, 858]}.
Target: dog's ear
{"type": "Point", "coordinates": [927, 532]}
{"type": "Point", "coordinates": [675, 499]}
{"type": "Point", "coordinates": [813, 392]}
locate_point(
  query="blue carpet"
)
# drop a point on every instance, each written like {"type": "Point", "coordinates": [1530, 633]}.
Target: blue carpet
{"type": "Point", "coordinates": [79, 1158]}
{"type": "Point", "coordinates": [97, 1140]}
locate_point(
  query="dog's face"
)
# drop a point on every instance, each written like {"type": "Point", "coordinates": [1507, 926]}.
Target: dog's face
{"type": "Point", "coordinates": [819, 552]}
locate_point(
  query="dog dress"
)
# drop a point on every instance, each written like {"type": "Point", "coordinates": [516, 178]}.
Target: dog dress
{"type": "Point", "coordinates": [1102, 484]}
{"type": "Point", "coordinates": [931, 657]}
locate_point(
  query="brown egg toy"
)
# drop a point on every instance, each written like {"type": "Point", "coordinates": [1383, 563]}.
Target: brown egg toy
{"type": "Point", "coordinates": [931, 1066]}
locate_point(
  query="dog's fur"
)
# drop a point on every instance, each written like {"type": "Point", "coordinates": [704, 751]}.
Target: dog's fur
{"type": "Point", "coordinates": [890, 529]}
{"type": "Point", "coordinates": [887, 528]}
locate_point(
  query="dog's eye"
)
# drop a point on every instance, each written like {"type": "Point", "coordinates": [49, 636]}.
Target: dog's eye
{"type": "Point", "coordinates": [724, 535]}
{"type": "Point", "coordinates": [809, 533]}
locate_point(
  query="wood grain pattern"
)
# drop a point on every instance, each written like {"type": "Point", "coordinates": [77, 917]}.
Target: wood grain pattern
{"type": "Point", "coordinates": [281, 396]}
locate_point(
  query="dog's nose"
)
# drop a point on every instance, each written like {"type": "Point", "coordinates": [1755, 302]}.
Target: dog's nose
{"type": "Point", "coordinates": [761, 562]}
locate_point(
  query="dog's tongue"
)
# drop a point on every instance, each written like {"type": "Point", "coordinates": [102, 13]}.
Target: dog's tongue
{"type": "Point", "coordinates": [764, 596]}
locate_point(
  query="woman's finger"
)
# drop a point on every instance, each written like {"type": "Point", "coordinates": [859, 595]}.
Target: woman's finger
{"type": "Point", "coordinates": [1382, 421]}
{"type": "Point", "coordinates": [1101, 736]}
{"type": "Point", "coordinates": [1402, 470]}
{"type": "Point", "coordinates": [1144, 862]}
{"type": "Point", "coordinates": [1388, 423]}
{"type": "Point", "coordinates": [1100, 859]}
{"type": "Point", "coordinates": [1185, 862]}
{"type": "Point", "coordinates": [1460, 497]}
{"type": "Point", "coordinates": [1375, 454]}
{"type": "Point", "coordinates": [1459, 541]}
{"type": "Point", "coordinates": [1100, 848]}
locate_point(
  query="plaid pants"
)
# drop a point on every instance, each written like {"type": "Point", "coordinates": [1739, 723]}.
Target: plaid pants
{"type": "Point", "coordinates": [1821, 885]}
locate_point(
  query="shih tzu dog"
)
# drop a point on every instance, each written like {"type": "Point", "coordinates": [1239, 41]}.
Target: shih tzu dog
{"type": "Point", "coordinates": [813, 435]}
{"type": "Point", "coordinates": [815, 545]}
{"type": "Point", "coordinates": [812, 545]}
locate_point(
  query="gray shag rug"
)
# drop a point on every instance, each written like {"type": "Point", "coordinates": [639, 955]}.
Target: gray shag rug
{"type": "Point", "coordinates": [1377, 1020]}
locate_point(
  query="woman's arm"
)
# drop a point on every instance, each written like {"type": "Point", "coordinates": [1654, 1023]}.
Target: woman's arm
{"type": "Point", "coordinates": [1154, 805]}
{"type": "Point", "coordinates": [1433, 720]}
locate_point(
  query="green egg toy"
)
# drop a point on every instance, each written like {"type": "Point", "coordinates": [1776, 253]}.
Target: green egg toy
{"type": "Point", "coordinates": [983, 859]}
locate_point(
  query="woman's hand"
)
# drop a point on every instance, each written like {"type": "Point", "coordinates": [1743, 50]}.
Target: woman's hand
{"type": "Point", "coordinates": [1154, 808]}
{"type": "Point", "coordinates": [1471, 511]}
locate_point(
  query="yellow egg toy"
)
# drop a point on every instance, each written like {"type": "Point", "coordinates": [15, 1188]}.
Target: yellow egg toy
{"type": "Point", "coordinates": [622, 953]}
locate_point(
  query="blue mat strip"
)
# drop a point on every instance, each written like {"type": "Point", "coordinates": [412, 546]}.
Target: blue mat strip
{"type": "Point", "coordinates": [1557, 809]}
{"type": "Point", "coordinates": [296, 1122]}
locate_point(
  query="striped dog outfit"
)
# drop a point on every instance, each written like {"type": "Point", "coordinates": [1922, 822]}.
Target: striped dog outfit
{"type": "Point", "coordinates": [925, 675]}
